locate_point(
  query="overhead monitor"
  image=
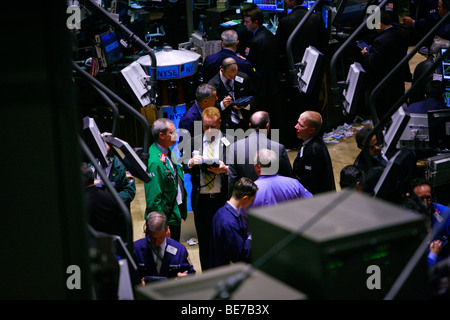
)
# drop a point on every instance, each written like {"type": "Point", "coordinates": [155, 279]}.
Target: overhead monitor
{"type": "Point", "coordinates": [94, 140]}
{"type": "Point", "coordinates": [110, 50]}
{"type": "Point", "coordinates": [350, 13]}
{"type": "Point", "coordinates": [354, 87]}
{"type": "Point", "coordinates": [137, 81]}
{"type": "Point", "coordinates": [399, 122]}
{"type": "Point", "coordinates": [439, 128]}
{"type": "Point", "coordinates": [270, 5]}
{"type": "Point", "coordinates": [129, 158]}
{"type": "Point", "coordinates": [309, 69]}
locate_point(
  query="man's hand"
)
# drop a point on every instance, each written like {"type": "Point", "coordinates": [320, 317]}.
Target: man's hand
{"type": "Point", "coordinates": [182, 274]}
{"type": "Point", "coordinates": [195, 161]}
{"type": "Point", "coordinates": [222, 168]}
{"type": "Point", "coordinates": [408, 21]}
{"type": "Point", "coordinates": [436, 246]}
{"type": "Point", "coordinates": [227, 101]}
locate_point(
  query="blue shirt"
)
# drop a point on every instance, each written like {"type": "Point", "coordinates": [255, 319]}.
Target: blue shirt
{"type": "Point", "coordinates": [276, 188]}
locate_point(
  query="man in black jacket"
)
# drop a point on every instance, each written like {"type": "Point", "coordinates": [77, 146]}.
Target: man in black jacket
{"type": "Point", "coordinates": [386, 51]}
{"type": "Point", "coordinates": [313, 32]}
{"type": "Point", "coordinates": [312, 166]}
{"type": "Point", "coordinates": [263, 52]}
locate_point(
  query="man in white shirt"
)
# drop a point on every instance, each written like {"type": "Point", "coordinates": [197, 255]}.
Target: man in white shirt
{"type": "Point", "coordinates": [209, 177]}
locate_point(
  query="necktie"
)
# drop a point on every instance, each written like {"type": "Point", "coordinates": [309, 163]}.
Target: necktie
{"type": "Point", "coordinates": [235, 114]}
{"type": "Point", "coordinates": [230, 88]}
{"type": "Point", "coordinates": [209, 176]}
{"type": "Point", "coordinates": [159, 258]}
{"type": "Point", "coordinates": [175, 169]}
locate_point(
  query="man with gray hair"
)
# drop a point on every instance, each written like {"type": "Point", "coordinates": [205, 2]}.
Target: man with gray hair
{"type": "Point", "coordinates": [212, 63]}
{"type": "Point", "coordinates": [157, 255]}
{"type": "Point", "coordinates": [272, 187]}
{"type": "Point", "coordinates": [205, 97]}
{"type": "Point", "coordinates": [165, 191]}
{"type": "Point", "coordinates": [232, 85]}
{"type": "Point", "coordinates": [313, 166]}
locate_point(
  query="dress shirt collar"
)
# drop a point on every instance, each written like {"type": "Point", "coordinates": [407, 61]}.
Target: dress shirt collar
{"type": "Point", "coordinates": [163, 150]}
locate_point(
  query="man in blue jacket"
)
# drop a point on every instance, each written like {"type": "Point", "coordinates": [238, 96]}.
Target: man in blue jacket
{"type": "Point", "coordinates": [230, 241]}
{"type": "Point", "coordinates": [213, 62]}
{"type": "Point", "coordinates": [158, 256]}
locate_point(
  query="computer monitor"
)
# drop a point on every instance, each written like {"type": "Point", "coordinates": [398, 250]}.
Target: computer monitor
{"type": "Point", "coordinates": [447, 96]}
{"type": "Point", "coordinates": [270, 5]}
{"type": "Point", "coordinates": [310, 69]}
{"type": "Point", "coordinates": [137, 82]}
{"type": "Point", "coordinates": [129, 158]}
{"type": "Point", "coordinates": [94, 140]}
{"type": "Point", "coordinates": [439, 128]}
{"type": "Point", "coordinates": [111, 52]}
{"type": "Point", "coordinates": [350, 13]}
{"type": "Point", "coordinates": [400, 120]}
{"type": "Point", "coordinates": [354, 87]}
{"type": "Point", "coordinates": [445, 66]}
{"type": "Point", "coordinates": [388, 181]}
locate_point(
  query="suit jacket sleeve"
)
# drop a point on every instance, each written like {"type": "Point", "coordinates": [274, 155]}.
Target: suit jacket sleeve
{"type": "Point", "coordinates": [236, 248]}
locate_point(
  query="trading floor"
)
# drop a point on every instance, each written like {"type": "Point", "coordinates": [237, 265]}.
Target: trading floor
{"type": "Point", "coordinates": [342, 152]}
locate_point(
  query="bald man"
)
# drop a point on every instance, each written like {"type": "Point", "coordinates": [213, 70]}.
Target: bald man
{"type": "Point", "coordinates": [312, 166]}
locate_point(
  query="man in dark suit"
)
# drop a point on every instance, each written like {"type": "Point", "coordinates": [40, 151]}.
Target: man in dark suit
{"type": "Point", "coordinates": [312, 166]}
{"type": "Point", "coordinates": [213, 62]}
{"type": "Point", "coordinates": [209, 185]}
{"type": "Point", "coordinates": [386, 51]}
{"type": "Point", "coordinates": [313, 32]}
{"type": "Point", "coordinates": [434, 96]}
{"type": "Point", "coordinates": [242, 153]}
{"type": "Point", "coordinates": [263, 53]}
{"type": "Point", "coordinates": [158, 256]}
{"type": "Point", "coordinates": [205, 96]}
{"type": "Point", "coordinates": [231, 85]}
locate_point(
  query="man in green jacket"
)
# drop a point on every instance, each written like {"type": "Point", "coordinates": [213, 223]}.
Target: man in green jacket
{"type": "Point", "coordinates": [165, 192]}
